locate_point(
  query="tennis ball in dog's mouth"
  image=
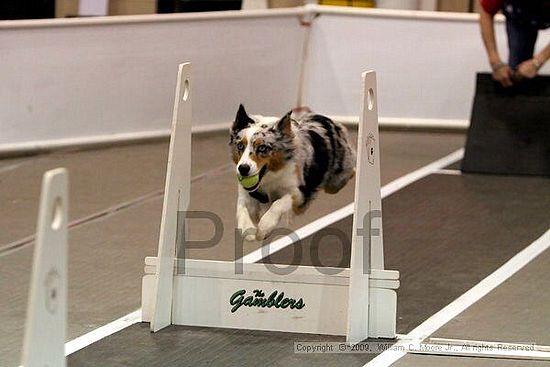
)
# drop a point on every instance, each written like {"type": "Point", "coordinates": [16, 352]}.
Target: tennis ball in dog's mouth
{"type": "Point", "coordinates": [249, 182]}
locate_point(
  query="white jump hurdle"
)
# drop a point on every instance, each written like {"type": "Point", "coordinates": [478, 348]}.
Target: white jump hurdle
{"type": "Point", "coordinates": [359, 302]}
{"type": "Point", "coordinates": [46, 325]}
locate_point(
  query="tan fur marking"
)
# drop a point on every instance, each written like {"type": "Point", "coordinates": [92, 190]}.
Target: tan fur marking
{"type": "Point", "coordinates": [257, 142]}
{"type": "Point", "coordinates": [276, 162]}
{"type": "Point", "coordinates": [260, 162]}
{"type": "Point", "coordinates": [299, 173]}
{"type": "Point", "coordinates": [236, 155]}
{"type": "Point", "coordinates": [296, 206]}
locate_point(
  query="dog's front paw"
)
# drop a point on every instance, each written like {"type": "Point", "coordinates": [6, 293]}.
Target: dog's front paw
{"type": "Point", "coordinates": [266, 226]}
{"type": "Point", "coordinates": [246, 227]}
{"type": "Point", "coordinates": [260, 236]}
{"type": "Point", "coordinates": [248, 230]}
{"type": "Point", "coordinates": [249, 234]}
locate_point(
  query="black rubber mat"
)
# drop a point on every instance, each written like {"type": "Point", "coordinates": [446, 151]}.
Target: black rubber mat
{"type": "Point", "coordinates": [510, 128]}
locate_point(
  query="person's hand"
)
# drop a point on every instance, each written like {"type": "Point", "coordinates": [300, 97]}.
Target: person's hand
{"type": "Point", "coordinates": [503, 74]}
{"type": "Point", "coordinates": [528, 69]}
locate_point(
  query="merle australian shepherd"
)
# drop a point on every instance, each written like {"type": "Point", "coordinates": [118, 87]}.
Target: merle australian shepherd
{"type": "Point", "coordinates": [293, 158]}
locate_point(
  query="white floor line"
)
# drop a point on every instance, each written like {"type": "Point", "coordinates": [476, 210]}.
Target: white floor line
{"type": "Point", "coordinates": [517, 351]}
{"type": "Point", "coordinates": [10, 167]}
{"type": "Point", "coordinates": [468, 342]}
{"type": "Point", "coordinates": [14, 246]}
{"type": "Point", "coordinates": [454, 172]}
{"type": "Point", "coordinates": [347, 210]}
{"type": "Point", "coordinates": [23, 162]}
{"type": "Point", "coordinates": [102, 332]}
{"type": "Point", "coordinates": [422, 172]}
{"type": "Point", "coordinates": [460, 304]}
{"type": "Point", "coordinates": [135, 317]}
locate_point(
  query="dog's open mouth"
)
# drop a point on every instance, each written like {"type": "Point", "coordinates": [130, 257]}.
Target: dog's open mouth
{"type": "Point", "coordinates": [260, 176]}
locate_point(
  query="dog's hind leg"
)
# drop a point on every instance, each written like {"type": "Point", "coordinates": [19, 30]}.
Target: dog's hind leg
{"type": "Point", "coordinates": [336, 184]}
{"type": "Point", "coordinates": [343, 171]}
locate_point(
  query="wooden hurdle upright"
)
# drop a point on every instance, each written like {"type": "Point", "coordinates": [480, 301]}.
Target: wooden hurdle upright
{"type": "Point", "coordinates": [46, 325]}
{"type": "Point", "coordinates": [359, 302]}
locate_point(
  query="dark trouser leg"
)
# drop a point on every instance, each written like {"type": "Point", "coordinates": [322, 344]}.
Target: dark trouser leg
{"type": "Point", "coordinates": [521, 42]}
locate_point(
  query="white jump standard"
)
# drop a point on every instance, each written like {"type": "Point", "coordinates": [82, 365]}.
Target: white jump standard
{"type": "Point", "coordinates": [359, 302]}
{"type": "Point", "coordinates": [46, 325]}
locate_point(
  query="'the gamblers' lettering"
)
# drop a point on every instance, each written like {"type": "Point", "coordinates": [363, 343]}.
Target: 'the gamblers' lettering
{"type": "Point", "coordinates": [275, 299]}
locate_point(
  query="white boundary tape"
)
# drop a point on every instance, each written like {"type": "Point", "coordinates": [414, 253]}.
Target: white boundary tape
{"type": "Point", "coordinates": [100, 140]}
{"type": "Point", "coordinates": [460, 304]}
{"type": "Point", "coordinates": [10, 167]}
{"type": "Point", "coordinates": [135, 317]}
{"type": "Point", "coordinates": [409, 123]}
{"type": "Point", "coordinates": [453, 172]}
{"type": "Point", "coordinates": [102, 332]}
{"type": "Point", "coordinates": [15, 149]}
{"type": "Point", "coordinates": [436, 341]}
{"type": "Point", "coordinates": [511, 351]}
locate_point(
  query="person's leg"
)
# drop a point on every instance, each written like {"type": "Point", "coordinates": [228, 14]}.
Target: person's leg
{"type": "Point", "coordinates": [521, 42]}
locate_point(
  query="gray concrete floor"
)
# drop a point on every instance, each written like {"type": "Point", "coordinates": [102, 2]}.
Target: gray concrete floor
{"type": "Point", "coordinates": [515, 312]}
{"type": "Point", "coordinates": [124, 185]}
{"type": "Point", "coordinates": [116, 199]}
{"type": "Point", "coordinates": [525, 297]}
{"type": "Point", "coordinates": [416, 360]}
{"type": "Point", "coordinates": [444, 233]}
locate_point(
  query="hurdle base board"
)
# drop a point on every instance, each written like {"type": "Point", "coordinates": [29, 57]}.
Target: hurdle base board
{"type": "Point", "coordinates": [202, 297]}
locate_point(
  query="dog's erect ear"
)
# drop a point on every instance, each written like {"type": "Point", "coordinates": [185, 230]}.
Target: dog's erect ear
{"type": "Point", "coordinates": [284, 124]}
{"type": "Point", "coordinates": [242, 120]}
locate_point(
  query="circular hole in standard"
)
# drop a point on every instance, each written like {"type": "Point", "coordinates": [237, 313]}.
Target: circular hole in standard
{"type": "Point", "coordinates": [57, 214]}
{"type": "Point", "coordinates": [186, 89]}
{"type": "Point", "coordinates": [370, 99]}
